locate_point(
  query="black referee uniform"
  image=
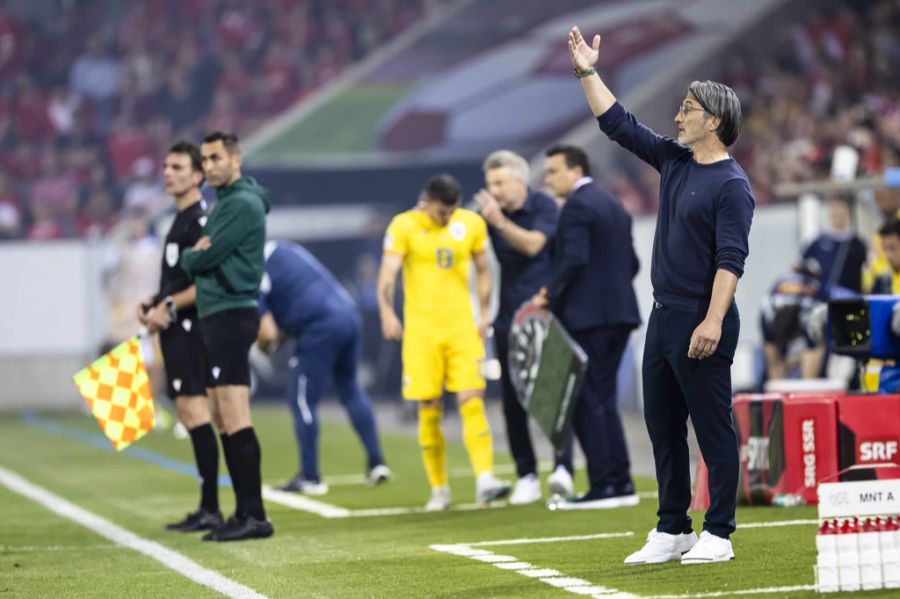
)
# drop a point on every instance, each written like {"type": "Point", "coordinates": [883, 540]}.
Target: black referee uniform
{"type": "Point", "coordinates": [182, 344]}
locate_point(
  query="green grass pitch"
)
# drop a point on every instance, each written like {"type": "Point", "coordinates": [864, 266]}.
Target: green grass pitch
{"type": "Point", "coordinates": [45, 555]}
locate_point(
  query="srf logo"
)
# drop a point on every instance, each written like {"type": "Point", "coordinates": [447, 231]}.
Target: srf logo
{"type": "Point", "coordinates": [877, 451]}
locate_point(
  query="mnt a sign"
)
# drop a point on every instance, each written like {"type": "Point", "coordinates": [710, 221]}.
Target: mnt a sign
{"type": "Point", "coordinates": [546, 367]}
{"type": "Point", "coordinates": [861, 498]}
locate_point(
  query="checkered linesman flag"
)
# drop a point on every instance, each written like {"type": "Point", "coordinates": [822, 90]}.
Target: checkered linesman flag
{"type": "Point", "coordinates": [117, 390]}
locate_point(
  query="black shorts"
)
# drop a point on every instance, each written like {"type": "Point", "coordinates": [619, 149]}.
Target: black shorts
{"type": "Point", "coordinates": [228, 336]}
{"type": "Point", "coordinates": [184, 355]}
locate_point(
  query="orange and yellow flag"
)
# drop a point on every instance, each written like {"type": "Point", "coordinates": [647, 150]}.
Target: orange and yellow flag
{"type": "Point", "coordinates": [117, 389]}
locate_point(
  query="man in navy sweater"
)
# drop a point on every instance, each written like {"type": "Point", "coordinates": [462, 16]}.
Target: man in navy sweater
{"type": "Point", "coordinates": [701, 243]}
{"type": "Point", "coordinates": [590, 291]}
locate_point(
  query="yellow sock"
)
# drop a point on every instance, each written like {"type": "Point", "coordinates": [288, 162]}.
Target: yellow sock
{"type": "Point", "coordinates": [477, 436]}
{"type": "Point", "coordinates": [434, 449]}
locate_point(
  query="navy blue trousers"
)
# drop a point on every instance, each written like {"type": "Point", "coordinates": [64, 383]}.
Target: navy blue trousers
{"type": "Point", "coordinates": [330, 348]}
{"type": "Point", "coordinates": [516, 417]}
{"type": "Point", "coordinates": [677, 387]}
{"type": "Point", "coordinates": [596, 420]}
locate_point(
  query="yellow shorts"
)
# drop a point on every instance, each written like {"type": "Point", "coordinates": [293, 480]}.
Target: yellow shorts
{"type": "Point", "coordinates": [434, 360]}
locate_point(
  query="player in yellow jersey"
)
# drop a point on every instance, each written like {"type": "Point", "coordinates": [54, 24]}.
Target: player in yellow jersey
{"type": "Point", "coordinates": [443, 341]}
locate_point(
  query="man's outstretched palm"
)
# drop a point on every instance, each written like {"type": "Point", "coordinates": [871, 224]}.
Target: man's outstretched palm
{"type": "Point", "coordinates": [583, 56]}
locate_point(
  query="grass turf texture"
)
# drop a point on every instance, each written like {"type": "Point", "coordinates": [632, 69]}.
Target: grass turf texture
{"type": "Point", "coordinates": [42, 554]}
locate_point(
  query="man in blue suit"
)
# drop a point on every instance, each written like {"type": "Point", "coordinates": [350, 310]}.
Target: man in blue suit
{"type": "Point", "coordinates": [591, 293]}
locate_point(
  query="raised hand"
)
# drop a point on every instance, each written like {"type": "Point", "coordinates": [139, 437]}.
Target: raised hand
{"type": "Point", "coordinates": [490, 209]}
{"type": "Point", "coordinates": [583, 57]}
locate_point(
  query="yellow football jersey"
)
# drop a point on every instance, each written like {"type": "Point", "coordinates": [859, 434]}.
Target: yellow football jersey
{"type": "Point", "coordinates": [436, 264]}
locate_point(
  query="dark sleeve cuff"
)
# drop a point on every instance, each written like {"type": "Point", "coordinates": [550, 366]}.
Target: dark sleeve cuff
{"type": "Point", "coordinates": [615, 112]}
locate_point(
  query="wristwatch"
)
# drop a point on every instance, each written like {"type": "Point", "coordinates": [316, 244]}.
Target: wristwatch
{"type": "Point", "coordinates": [170, 308]}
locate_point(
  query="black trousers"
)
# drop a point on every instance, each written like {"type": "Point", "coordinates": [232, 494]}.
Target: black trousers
{"type": "Point", "coordinates": [517, 418]}
{"type": "Point", "coordinates": [676, 387]}
{"type": "Point", "coordinates": [596, 420]}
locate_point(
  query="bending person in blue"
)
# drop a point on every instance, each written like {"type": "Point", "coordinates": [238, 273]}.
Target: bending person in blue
{"type": "Point", "coordinates": [300, 297]}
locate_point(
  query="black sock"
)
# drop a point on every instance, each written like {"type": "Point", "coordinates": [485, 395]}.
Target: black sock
{"type": "Point", "coordinates": [232, 472]}
{"type": "Point", "coordinates": [247, 458]}
{"type": "Point", "coordinates": [206, 453]}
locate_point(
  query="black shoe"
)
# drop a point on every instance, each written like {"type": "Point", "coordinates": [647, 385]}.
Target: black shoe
{"type": "Point", "coordinates": [610, 496]}
{"type": "Point", "coordinates": [195, 521]}
{"type": "Point", "coordinates": [241, 528]}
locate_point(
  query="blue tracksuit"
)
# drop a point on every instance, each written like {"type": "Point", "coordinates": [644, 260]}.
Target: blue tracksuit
{"type": "Point", "coordinates": [309, 304]}
{"type": "Point", "coordinates": [703, 225]}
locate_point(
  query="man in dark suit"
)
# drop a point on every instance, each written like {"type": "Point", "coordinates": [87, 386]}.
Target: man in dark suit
{"type": "Point", "coordinates": [591, 293]}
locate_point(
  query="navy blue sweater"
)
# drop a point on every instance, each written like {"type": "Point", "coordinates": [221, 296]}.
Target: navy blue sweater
{"type": "Point", "coordinates": [704, 213]}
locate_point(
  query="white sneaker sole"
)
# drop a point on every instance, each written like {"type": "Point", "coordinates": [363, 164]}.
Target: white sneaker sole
{"type": "Point", "coordinates": [693, 561]}
{"type": "Point", "coordinates": [661, 560]}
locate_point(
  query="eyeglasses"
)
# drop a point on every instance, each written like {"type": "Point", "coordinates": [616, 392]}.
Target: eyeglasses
{"type": "Point", "coordinates": [685, 108]}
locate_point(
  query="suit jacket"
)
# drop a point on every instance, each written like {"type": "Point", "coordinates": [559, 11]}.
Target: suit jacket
{"type": "Point", "coordinates": [594, 263]}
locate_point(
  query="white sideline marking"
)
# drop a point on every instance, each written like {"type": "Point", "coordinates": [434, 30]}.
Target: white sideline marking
{"type": "Point", "coordinates": [120, 536]}
{"type": "Point", "coordinates": [777, 523]}
{"type": "Point", "coordinates": [43, 548]}
{"type": "Point", "coordinates": [301, 502]}
{"type": "Point", "coordinates": [792, 589]}
{"type": "Point", "coordinates": [579, 586]}
{"type": "Point", "coordinates": [304, 503]}
{"type": "Point", "coordinates": [605, 535]}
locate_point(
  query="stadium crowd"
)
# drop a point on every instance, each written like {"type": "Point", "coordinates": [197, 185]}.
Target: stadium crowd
{"type": "Point", "coordinates": [85, 114]}
{"type": "Point", "coordinates": [821, 82]}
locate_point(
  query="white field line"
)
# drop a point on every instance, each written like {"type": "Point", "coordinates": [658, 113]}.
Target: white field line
{"type": "Point", "coordinates": [548, 576]}
{"type": "Point", "coordinates": [777, 523]}
{"type": "Point", "coordinates": [578, 586]}
{"type": "Point", "coordinates": [761, 591]}
{"type": "Point", "coordinates": [46, 548]}
{"type": "Point", "coordinates": [605, 535]}
{"type": "Point", "coordinates": [303, 503]}
{"type": "Point", "coordinates": [171, 559]}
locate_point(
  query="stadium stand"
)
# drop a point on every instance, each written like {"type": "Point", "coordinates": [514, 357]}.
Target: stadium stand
{"type": "Point", "coordinates": [85, 111]}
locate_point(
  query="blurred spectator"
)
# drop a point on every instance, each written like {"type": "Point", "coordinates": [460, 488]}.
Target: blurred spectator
{"type": "Point", "coordinates": [838, 252]}
{"type": "Point", "coordinates": [97, 216]}
{"type": "Point", "coordinates": [785, 314]}
{"type": "Point", "coordinates": [95, 74]}
{"type": "Point", "coordinates": [101, 85]}
{"type": "Point", "coordinates": [134, 275]}
{"type": "Point", "coordinates": [10, 210]}
{"type": "Point", "coordinates": [145, 190]}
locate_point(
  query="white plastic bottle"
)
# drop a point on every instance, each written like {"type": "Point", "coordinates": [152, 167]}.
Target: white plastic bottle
{"type": "Point", "coordinates": [848, 555]}
{"type": "Point", "coordinates": [870, 555]}
{"type": "Point", "coordinates": [890, 553]}
{"type": "Point", "coordinates": [827, 580]}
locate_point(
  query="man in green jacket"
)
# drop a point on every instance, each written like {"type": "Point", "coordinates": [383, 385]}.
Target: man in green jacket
{"type": "Point", "coordinates": [227, 266]}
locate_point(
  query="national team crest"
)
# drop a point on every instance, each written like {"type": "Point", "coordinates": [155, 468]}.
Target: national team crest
{"type": "Point", "coordinates": [171, 254]}
{"type": "Point", "coordinates": [457, 231]}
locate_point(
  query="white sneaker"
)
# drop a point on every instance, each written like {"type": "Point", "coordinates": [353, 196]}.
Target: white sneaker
{"type": "Point", "coordinates": [662, 547]}
{"type": "Point", "coordinates": [709, 549]}
{"type": "Point", "coordinates": [379, 474]}
{"type": "Point", "coordinates": [527, 490]}
{"type": "Point", "coordinates": [560, 482]}
{"type": "Point", "coordinates": [488, 488]}
{"type": "Point", "coordinates": [440, 499]}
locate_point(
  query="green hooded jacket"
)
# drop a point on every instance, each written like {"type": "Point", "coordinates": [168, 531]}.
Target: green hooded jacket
{"type": "Point", "coordinates": [229, 272]}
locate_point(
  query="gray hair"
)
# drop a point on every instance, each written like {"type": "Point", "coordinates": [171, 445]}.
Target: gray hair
{"type": "Point", "coordinates": [720, 100]}
{"type": "Point", "coordinates": [517, 165]}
